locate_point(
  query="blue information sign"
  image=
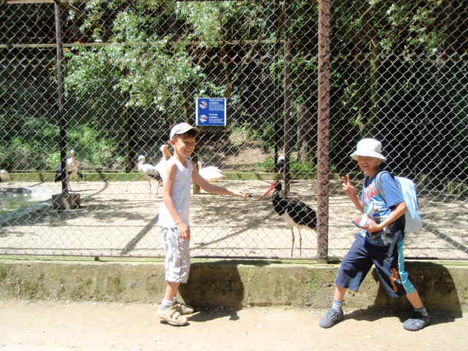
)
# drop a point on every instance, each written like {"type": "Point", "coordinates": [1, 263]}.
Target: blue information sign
{"type": "Point", "coordinates": [211, 112]}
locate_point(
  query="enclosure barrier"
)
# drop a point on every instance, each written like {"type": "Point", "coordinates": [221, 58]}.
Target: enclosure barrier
{"type": "Point", "coordinates": [303, 81]}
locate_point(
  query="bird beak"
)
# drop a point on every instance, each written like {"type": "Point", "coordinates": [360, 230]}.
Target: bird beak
{"type": "Point", "coordinates": [269, 190]}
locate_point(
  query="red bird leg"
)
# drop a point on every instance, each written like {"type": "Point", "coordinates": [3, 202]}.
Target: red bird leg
{"type": "Point", "coordinates": [292, 241]}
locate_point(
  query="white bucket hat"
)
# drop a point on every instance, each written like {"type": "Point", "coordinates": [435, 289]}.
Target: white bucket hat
{"type": "Point", "coordinates": [369, 147]}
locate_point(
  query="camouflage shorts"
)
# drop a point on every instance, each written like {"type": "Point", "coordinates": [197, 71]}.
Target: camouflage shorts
{"type": "Point", "coordinates": [177, 251]}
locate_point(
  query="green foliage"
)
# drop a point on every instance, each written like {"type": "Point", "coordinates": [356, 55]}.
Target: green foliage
{"type": "Point", "coordinates": [213, 22]}
{"type": "Point", "coordinates": [91, 70]}
{"type": "Point", "coordinates": [152, 57]}
{"type": "Point", "coordinates": [206, 20]}
{"type": "Point", "coordinates": [400, 26]}
{"type": "Point", "coordinates": [297, 168]}
{"type": "Point", "coordinates": [92, 150]}
{"type": "Point", "coordinates": [36, 147]}
{"type": "Point", "coordinates": [153, 75]}
{"type": "Point", "coordinates": [30, 147]}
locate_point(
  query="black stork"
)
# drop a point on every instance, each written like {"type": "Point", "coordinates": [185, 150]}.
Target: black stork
{"type": "Point", "coordinates": [295, 213]}
{"type": "Point", "coordinates": [280, 164]}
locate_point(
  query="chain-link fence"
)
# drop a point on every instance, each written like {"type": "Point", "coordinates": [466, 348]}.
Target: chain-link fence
{"type": "Point", "coordinates": [131, 69]}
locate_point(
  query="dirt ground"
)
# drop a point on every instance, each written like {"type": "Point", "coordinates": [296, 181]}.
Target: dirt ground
{"type": "Point", "coordinates": [119, 218]}
{"type": "Point", "coordinates": [61, 326]}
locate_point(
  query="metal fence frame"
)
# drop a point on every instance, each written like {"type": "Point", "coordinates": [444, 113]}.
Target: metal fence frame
{"type": "Point", "coordinates": [324, 59]}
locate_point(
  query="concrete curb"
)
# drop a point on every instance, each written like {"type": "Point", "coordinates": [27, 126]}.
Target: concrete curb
{"type": "Point", "coordinates": [234, 283]}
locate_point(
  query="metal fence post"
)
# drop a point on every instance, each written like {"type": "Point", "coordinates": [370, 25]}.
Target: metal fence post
{"type": "Point", "coordinates": [60, 90]}
{"type": "Point", "coordinates": [323, 133]}
{"type": "Point", "coordinates": [287, 98]}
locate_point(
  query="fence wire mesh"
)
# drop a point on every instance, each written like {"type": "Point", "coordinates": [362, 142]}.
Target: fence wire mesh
{"type": "Point", "coordinates": [132, 69]}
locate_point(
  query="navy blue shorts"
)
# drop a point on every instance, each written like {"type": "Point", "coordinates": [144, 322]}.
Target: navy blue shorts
{"type": "Point", "coordinates": [390, 269]}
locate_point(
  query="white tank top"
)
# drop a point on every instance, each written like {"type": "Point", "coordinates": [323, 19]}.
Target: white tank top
{"type": "Point", "coordinates": [180, 193]}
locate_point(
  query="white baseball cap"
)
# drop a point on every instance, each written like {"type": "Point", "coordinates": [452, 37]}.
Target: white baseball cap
{"type": "Point", "coordinates": [369, 147]}
{"type": "Point", "coordinates": [181, 128]}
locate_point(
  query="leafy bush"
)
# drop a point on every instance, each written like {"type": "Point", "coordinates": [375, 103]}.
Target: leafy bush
{"type": "Point", "coordinates": [296, 167]}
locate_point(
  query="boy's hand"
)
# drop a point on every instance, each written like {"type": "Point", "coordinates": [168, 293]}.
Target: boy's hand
{"type": "Point", "coordinates": [242, 194]}
{"type": "Point", "coordinates": [184, 231]}
{"type": "Point", "coordinates": [348, 186]}
{"type": "Point", "coordinates": [373, 227]}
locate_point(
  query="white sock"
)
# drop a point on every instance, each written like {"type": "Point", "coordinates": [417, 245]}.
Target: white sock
{"type": "Point", "coordinates": [337, 305]}
{"type": "Point", "coordinates": [165, 304]}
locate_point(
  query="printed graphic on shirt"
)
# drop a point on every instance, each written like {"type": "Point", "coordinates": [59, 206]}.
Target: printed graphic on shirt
{"type": "Point", "coordinates": [377, 210]}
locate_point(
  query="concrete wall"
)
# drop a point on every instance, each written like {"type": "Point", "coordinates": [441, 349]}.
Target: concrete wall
{"type": "Point", "coordinates": [228, 283]}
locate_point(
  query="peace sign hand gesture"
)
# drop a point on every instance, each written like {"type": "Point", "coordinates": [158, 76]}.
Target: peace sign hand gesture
{"type": "Point", "coordinates": [348, 186]}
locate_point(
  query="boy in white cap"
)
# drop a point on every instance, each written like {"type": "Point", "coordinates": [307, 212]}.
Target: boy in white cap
{"type": "Point", "coordinates": [174, 219]}
{"type": "Point", "coordinates": [380, 242]}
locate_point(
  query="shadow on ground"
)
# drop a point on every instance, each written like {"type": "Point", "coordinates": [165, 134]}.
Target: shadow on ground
{"type": "Point", "coordinates": [208, 314]}
{"type": "Point", "coordinates": [436, 287]}
{"type": "Point", "coordinates": [215, 284]}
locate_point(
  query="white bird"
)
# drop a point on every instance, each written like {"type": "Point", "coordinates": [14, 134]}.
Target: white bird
{"type": "Point", "coordinates": [149, 171]}
{"type": "Point", "coordinates": [166, 155]}
{"type": "Point", "coordinates": [210, 173]}
{"type": "Point", "coordinates": [71, 166]}
{"type": "Point", "coordinates": [155, 173]}
{"type": "Point", "coordinates": [4, 176]}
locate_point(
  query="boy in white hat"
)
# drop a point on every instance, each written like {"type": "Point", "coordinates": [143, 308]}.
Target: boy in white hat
{"type": "Point", "coordinates": [174, 219]}
{"type": "Point", "coordinates": [380, 242]}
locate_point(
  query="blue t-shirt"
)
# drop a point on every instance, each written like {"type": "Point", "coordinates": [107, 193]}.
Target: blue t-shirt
{"type": "Point", "coordinates": [379, 207]}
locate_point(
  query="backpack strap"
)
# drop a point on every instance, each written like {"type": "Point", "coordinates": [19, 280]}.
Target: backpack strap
{"type": "Point", "coordinates": [399, 234]}
{"type": "Point", "coordinates": [378, 182]}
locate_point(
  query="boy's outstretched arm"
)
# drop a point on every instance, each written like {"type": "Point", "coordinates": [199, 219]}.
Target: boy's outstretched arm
{"type": "Point", "coordinates": [214, 189]}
